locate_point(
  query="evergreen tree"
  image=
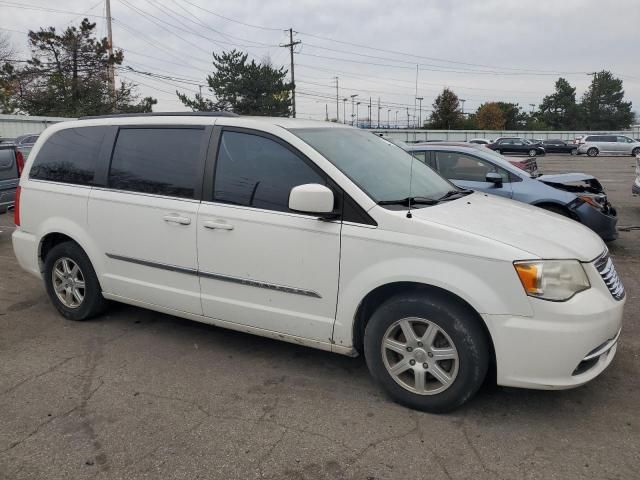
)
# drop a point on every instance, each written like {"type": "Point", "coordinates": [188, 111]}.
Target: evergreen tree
{"type": "Point", "coordinates": [246, 88]}
{"type": "Point", "coordinates": [559, 110]}
{"type": "Point", "coordinates": [446, 111]}
{"type": "Point", "coordinates": [603, 106]}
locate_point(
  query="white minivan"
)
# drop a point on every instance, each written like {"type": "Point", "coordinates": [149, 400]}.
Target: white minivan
{"type": "Point", "coordinates": [322, 235]}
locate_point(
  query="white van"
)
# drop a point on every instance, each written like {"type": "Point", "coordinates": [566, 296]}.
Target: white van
{"type": "Point", "coordinates": [322, 235]}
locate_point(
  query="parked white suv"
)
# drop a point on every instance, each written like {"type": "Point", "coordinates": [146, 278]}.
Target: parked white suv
{"type": "Point", "coordinates": [322, 235]}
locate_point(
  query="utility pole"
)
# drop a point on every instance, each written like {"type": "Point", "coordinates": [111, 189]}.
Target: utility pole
{"type": "Point", "coordinates": [396, 124]}
{"type": "Point", "coordinates": [353, 104]}
{"type": "Point", "coordinates": [532, 105]}
{"type": "Point", "coordinates": [408, 124]}
{"type": "Point", "coordinates": [290, 46]}
{"type": "Point", "coordinates": [357, 104]}
{"type": "Point", "coordinates": [344, 111]}
{"type": "Point", "coordinates": [378, 112]}
{"type": "Point", "coordinates": [420, 112]}
{"type": "Point", "coordinates": [337, 103]}
{"type": "Point", "coordinates": [370, 112]}
{"type": "Point", "coordinates": [462, 100]}
{"type": "Point", "coordinates": [200, 88]}
{"type": "Point", "coordinates": [112, 73]}
{"type": "Point", "coordinates": [388, 121]}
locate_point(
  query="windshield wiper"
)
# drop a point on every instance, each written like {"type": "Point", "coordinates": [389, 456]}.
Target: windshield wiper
{"type": "Point", "coordinates": [452, 193]}
{"type": "Point", "coordinates": [410, 200]}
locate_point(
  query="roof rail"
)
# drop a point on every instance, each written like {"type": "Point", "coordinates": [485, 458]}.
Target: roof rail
{"type": "Point", "coordinates": [162, 114]}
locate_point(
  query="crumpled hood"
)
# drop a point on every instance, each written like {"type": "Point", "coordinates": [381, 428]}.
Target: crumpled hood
{"type": "Point", "coordinates": [565, 177]}
{"type": "Point", "coordinates": [531, 229]}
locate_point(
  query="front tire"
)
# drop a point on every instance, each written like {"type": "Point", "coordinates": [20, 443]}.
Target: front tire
{"type": "Point", "coordinates": [532, 153]}
{"type": "Point", "coordinates": [574, 151]}
{"type": "Point", "coordinates": [72, 283]}
{"type": "Point", "coordinates": [635, 152]}
{"type": "Point", "coordinates": [426, 351]}
{"type": "Point", "coordinates": [592, 152]}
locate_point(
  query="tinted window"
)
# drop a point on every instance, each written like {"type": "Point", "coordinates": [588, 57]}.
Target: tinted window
{"type": "Point", "coordinates": [162, 161]}
{"type": "Point", "coordinates": [8, 168]}
{"type": "Point", "coordinates": [458, 166]}
{"type": "Point", "coordinates": [258, 172]}
{"type": "Point", "coordinates": [624, 140]}
{"type": "Point", "coordinates": [69, 156]}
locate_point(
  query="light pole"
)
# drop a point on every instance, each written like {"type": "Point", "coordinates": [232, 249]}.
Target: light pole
{"type": "Point", "coordinates": [420, 111]}
{"type": "Point", "coordinates": [357, 103]}
{"type": "Point", "coordinates": [388, 122]}
{"type": "Point", "coordinates": [462, 100]}
{"type": "Point", "coordinates": [353, 101]}
{"type": "Point", "coordinates": [396, 118]}
{"type": "Point", "coordinates": [344, 111]}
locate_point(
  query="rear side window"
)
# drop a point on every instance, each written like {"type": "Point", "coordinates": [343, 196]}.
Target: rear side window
{"type": "Point", "coordinates": [69, 156]}
{"type": "Point", "coordinates": [8, 167]}
{"type": "Point", "coordinates": [258, 172]}
{"type": "Point", "coordinates": [458, 166]}
{"type": "Point", "coordinates": [161, 161]}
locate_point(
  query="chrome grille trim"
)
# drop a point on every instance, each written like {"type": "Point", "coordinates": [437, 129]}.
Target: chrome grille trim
{"type": "Point", "coordinates": [607, 271]}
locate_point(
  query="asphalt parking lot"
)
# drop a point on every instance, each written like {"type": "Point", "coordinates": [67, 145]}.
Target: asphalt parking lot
{"type": "Point", "coordinates": [138, 394]}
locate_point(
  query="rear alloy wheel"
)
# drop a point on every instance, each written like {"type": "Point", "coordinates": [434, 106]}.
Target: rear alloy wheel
{"type": "Point", "coordinates": [426, 351]}
{"type": "Point", "coordinates": [532, 152]}
{"type": "Point", "coordinates": [72, 283]}
{"type": "Point", "coordinates": [636, 152]}
{"type": "Point", "coordinates": [592, 152]}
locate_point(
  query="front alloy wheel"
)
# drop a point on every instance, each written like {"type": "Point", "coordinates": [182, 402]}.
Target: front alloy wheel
{"type": "Point", "coordinates": [420, 356]}
{"type": "Point", "coordinates": [532, 153]}
{"type": "Point", "coordinates": [68, 282]}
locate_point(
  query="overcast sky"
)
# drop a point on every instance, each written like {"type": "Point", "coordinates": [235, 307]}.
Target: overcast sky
{"type": "Point", "coordinates": [503, 50]}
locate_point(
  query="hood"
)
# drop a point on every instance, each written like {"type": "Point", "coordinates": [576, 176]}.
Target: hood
{"type": "Point", "coordinates": [566, 177]}
{"type": "Point", "coordinates": [535, 231]}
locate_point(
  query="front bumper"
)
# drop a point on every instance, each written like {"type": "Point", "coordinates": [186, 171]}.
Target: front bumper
{"type": "Point", "coordinates": [601, 223]}
{"type": "Point", "coordinates": [563, 345]}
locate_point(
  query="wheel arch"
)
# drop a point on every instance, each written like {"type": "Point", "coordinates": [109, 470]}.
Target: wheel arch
{"type": "Point", "coordinates": [57, 236]}
{"type": "Point", "coordinates": [380, 294]}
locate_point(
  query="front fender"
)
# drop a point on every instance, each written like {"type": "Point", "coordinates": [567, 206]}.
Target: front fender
{"type": "Point", "coordinates": [485, 284]}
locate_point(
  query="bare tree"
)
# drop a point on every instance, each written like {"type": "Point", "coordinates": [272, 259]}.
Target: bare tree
{"type": "Point", "coordinates": [6, 50]}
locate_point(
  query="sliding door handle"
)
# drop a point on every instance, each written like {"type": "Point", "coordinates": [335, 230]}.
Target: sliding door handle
{"type": "Point", "coordinates": [217, 225]}
{"type": "Point", "coordinates": [174, 218]}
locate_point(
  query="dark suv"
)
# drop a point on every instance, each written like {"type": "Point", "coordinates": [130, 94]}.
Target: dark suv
{"type": "Point", "coordinates": [11, 164]}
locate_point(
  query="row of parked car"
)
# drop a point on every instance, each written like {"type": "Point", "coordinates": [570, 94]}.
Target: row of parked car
{"type": "Point", "coordinates": [328, 236]}
{"type": "Point", "coordinates": [591, 145]}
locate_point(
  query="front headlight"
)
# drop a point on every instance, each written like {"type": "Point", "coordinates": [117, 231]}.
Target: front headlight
{"type": "Point", "coordinates": [555, 280]}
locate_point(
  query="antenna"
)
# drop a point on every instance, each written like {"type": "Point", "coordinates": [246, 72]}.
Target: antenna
{"type": "Point", "coordinates": [409, 215]}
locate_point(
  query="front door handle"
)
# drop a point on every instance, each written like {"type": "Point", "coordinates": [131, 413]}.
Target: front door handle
{"type": "Point", "coordinates": [175, 218]}
{"type": "Point", "coordinates": [217, 225]}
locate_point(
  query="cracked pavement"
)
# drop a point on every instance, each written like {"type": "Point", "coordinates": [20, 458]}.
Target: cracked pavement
{"type": "Point", "coordinates": [142, 395]}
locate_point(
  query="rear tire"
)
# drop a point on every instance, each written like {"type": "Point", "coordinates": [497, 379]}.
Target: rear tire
{"type": "Point", "coordinates": [443, 337]}
{"type": "Point", "coordinates": [592, 152]}
{"type": "Point", "coordinates": [532, 153]}
{"type": "Point", "coordinates": [72, 283]}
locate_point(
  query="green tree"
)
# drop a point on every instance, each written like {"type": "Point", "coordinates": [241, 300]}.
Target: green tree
{"type": "Point", "coordinates": [67, 76]}
{"type": "Point", "coordinates": [559, 110]}
{"type": "Point", "coordinates": [490, 116]}
{"type": "Point", "coordinates": [246, 88]}
{"type": "Point", "coordinates": [603, 106]}
{"type": "Point", "coordinates": [514, 117]}
{"type": "Point", "coordinates": [446, 111]}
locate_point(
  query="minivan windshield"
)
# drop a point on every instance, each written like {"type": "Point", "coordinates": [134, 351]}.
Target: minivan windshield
{"type": "Point", "coordinates": [380, 168]}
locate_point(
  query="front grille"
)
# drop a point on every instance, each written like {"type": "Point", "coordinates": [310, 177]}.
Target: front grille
{"type": "Point", "coordinates": [607, 271]}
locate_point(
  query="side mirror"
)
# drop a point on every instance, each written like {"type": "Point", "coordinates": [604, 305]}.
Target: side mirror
{"type": "Point", "coordinates": [495, 178]}
{"type": "Point", "coordinates": [311, 198]}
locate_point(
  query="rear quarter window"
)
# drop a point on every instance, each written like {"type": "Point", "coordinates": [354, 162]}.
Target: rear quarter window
{"type": "Point", "coordinates": [69, 156]}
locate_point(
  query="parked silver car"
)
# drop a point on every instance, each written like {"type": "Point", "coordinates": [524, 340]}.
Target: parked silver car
{"type": "Point", "coordinates": [594, 145]}
{"type": "Point", "coordinates": [635, 188]}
